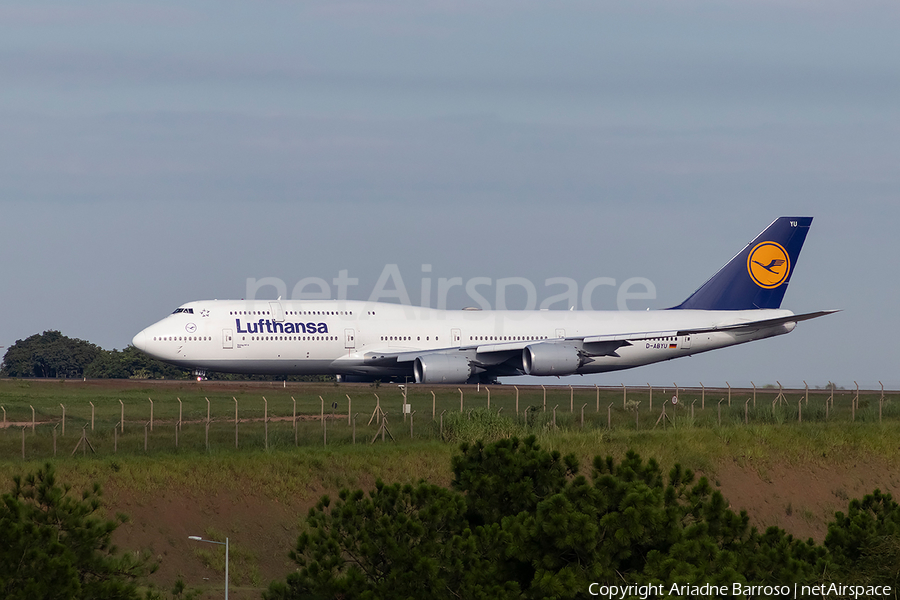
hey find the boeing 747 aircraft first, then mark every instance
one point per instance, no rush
(362, 341)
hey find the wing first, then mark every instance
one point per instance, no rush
(504, 359)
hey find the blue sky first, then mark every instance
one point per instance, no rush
(155, 154)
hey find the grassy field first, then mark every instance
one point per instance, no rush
(769, 465)
(155, 418)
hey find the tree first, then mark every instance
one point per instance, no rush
(864, 544)
(54, 545)
(395, 542)
(521, 522)
(508, 476)
(131, 363)
(50, 354)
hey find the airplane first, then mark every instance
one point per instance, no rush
(369, 341)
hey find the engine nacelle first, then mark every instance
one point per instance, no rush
(442, 368)
(550, 359)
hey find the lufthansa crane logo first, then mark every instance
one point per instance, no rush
(768, 264)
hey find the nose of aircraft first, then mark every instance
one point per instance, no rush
(140, 340)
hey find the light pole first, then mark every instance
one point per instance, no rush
(197, 538)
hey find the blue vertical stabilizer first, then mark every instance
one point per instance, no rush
(759, 275)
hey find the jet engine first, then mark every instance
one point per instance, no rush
(551, 359)
(442, 368)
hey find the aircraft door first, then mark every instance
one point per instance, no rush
(227, 339)
(686, 342)
(455, 337)
(350, 339)
(561, 333)
(277, 312)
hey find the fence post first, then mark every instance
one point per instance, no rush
(597, 389)
(806, 385)
(582, 415)
(295, 421)
(651, 397)
(754, 394)
(324, 432)
(554, 415)
(517, 401)
(442, 424)
(609, 416)
(489, 397)
(207, 411)
(800, 410)
(624, 395)
(181, 412)
(151, 413)
(746, 416)
(433, 405)
(84, 441)
(405, 392)
(92, 416)
(4, 416)
(235, 422)
(545, 397)
(63, 420)
(729, 393)
(349, 403)
(780, 397)
(880, 401)
(122, 418)
(207, 435)
(719, 406)
(266, 421)
(853, 403)
(702, 398)
(460, 400)
(176, 435)
(32, 420)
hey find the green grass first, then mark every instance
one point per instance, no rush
(217, 400)
(269, 456)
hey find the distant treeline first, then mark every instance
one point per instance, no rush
(53, 355)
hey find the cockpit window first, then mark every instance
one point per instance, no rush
(190, 311)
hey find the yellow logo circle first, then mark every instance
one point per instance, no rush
(768, 264)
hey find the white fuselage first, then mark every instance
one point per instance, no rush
(346, 337)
